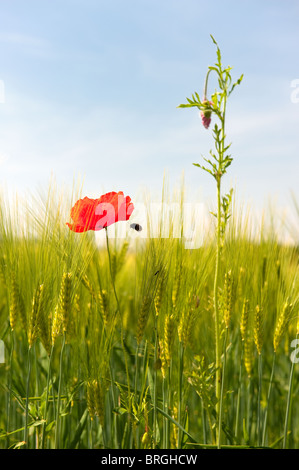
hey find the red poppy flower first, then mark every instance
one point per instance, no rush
(96, 214)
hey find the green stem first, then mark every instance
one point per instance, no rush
(136, 369)
(115, 422)
(136, 391)
(8, 410)
(203, 419)
(155, 387)
(249, 412)
(180, 392)
(47, 398)
(239, 397)
(217, 270)
(268, 399)
(121, 324)
(222, 389)
(216, 309)
(57, 430)
(259, 400)
(168, 405)
(164, 407)
(27, 399)
(289, 401)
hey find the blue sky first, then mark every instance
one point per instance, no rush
(91, 90)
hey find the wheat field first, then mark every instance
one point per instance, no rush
(111, 345)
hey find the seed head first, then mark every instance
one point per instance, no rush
(65, 299)
(258, 329)
(35, 318)
(228, 294)
(281, 324)
(244, 319)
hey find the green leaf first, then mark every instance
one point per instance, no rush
(186, 106)
(236, 83)
(176, 423)
(151, 382)
(80, 428)
(211, 67)
(18, 445)
(120, 410)
(214, 40)
(152, 392)
(214, 99)
(38, 422)
(50, 426)
(204, 168)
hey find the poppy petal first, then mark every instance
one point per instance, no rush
(96, 214)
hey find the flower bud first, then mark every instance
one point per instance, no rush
(206, 114)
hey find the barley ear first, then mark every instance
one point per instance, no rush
(3, 270)
(186, 324)
(16, 304)
(169, 331)
(248, 354)
(34, 321)
(159, 295)
(65, 299)
(247, 337)
(227, 298)
(177, 283)
(56, 325)
(244, 319)
(258, 329)
(164, 364)
(90, 400)
(86, 283)
(143, 317)
(98, 398)
(281, 324)
(44, 329)
(104, 306)
(13, 302)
